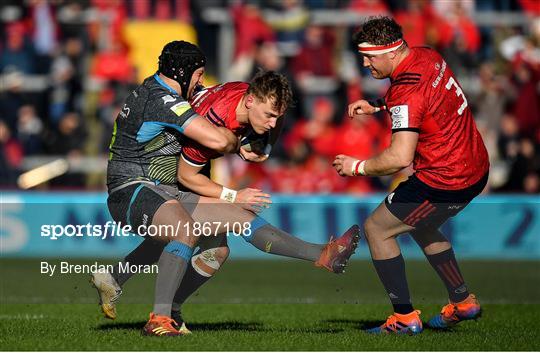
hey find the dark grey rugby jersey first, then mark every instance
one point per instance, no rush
(147, 134)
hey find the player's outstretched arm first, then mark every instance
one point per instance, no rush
(218, 139)
(250, 199)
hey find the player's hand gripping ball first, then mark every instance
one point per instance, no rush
(253, 142)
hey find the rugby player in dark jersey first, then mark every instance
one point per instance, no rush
(144, 152)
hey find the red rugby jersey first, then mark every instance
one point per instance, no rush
(218, 105)
(425, 97)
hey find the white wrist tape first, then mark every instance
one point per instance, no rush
(228, 195)
(361, 168)
(358, 168)
(354, 165)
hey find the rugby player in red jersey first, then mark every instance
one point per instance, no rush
(244, 109)
(432, 128)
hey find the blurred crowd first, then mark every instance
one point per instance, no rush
(64, 72)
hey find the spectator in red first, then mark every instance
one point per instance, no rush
(459, 38)
(309, 176)
(372, 7)
(313, 67)
(249, 175)
(249, 27)
(116, 10)
(361, 138)
(316, 55)
(419, 23)
(160, 9)
(318, 132)
(464, 29)
(526, 70)
(314, 176)
(530, 7)
(113, 64)
(11, 155)
(284, 178)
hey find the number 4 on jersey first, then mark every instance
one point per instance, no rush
(459, 92)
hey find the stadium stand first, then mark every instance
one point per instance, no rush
(65, 66)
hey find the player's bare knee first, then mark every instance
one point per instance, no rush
(221, 254)
(370, 229)
(436, 247)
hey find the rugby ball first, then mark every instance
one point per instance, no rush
(253, 142)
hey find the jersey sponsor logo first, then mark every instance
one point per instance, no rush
(400, 116)
(180, 108)
(168, 99)
(440, 75)
(124, 113)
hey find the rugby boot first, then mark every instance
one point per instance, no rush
(453, 313)
(336, 253)
(160, 326)
(109, 292)
(400, 324)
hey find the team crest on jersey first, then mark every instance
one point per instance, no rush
(168, 99)
(180, 108)
(400, 116)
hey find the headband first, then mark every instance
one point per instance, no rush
(367, 48)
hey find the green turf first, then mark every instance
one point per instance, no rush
(269, 305)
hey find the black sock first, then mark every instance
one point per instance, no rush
(447, 267)
(392, 275)
(147, 253)
(190, 283)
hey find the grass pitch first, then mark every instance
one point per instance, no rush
(269, 305)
